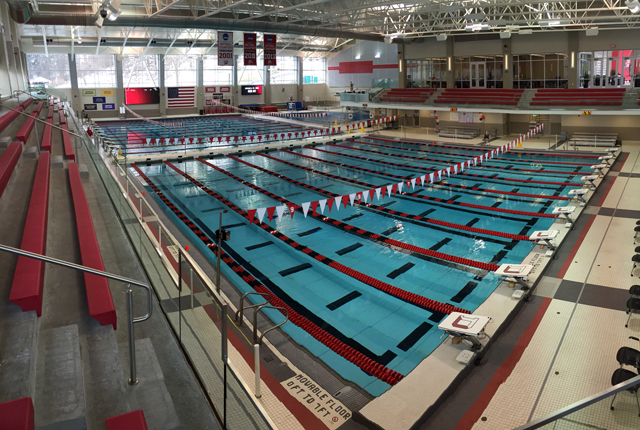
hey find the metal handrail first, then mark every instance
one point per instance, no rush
(132, 355)
(257, 340)
(240, 312)
(581, 404)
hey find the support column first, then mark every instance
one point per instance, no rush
(267, 85)
(507, 72)
(119, 91)
(162, 87)
(451, 80)
(300, 92)
(574, 66)
(402, 67)
(76, 99)
(200, 83)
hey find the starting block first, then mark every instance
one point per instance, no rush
(612, 150)
(579, 194)
(591, 180)
(544, 237)
(606, 159)
(599, 168)
(565, 211)
(517, 273)
(466, 326)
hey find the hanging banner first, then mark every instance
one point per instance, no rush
(250, 49)
(225, 48)
(269, 49)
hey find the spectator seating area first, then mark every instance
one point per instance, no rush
(459, 132)
(482, 96)
(407, 95)
(593, 139)
(578, 97)
(8, 162)
(66, 137)
(27, 127)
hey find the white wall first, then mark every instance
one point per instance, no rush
(366, 51)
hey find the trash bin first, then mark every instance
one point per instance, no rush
(201, 111)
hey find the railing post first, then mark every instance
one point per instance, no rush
(256, 355)
(133, 380)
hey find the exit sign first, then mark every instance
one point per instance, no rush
(454, 109)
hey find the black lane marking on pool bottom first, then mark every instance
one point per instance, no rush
(308, 232)
(344, 300)
(349, 249)
(499, 256)
(349, 218)
(258, 245)
(387, 204)
(291, 195)
(472, 222)
(496, 204)
(391, 230)
(440, 244)
(414, 336)
(383, 359)
(197, 195)
(425, 213)
(211, 210)
(464, 292)
(400, 271)
(240, 224)
(295, 269)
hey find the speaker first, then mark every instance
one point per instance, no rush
(441, 37)
(505, 34)
(592, 31)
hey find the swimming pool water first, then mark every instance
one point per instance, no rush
(393, 332)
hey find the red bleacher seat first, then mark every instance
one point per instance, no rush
(578, 97)
(25, 104)
(407, 95)
(8, 162)
(99, 298)
(28, 279)
(50, 113)
(133, 420)
(8, 117)
(17, 415)
(25, 131)
(68, 146)
(46, 137)
(38, 109)
(483, 96)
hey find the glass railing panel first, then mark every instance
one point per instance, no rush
(197, 326)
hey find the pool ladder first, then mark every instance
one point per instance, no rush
(258, 306)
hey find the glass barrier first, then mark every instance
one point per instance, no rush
(195, 310)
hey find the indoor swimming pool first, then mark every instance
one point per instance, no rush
(361, 273)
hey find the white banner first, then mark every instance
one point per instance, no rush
(225, 48)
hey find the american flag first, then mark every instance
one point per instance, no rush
(180, 97)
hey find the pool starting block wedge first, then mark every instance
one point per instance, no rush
(518, 273)
(565, 211)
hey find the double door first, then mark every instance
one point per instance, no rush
(478, 74)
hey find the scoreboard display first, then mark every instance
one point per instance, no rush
(141, 96)
(251, 90)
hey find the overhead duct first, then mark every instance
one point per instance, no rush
(19, 10)
(248, 26)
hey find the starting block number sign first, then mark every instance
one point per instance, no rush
(586, 112)
(323, 405)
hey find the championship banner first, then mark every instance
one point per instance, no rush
(250, 49)
(269, 49)
(225, 48)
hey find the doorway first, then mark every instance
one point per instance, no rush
(478, 74)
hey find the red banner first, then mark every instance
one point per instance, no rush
(269, 49)
(250, 49)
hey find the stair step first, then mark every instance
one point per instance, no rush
(150, 394)
(105, 384)
(59, 399)
(18, 349)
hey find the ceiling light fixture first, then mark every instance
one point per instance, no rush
(633, 5)
(477, 26)
(79, 40)
(357, 56)
(378, 55)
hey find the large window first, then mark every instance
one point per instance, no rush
(314, 71)
(250, 75)
(52, 70)
(609, 68)
(96, 71)
(180, 71)
(140, 71)
(540, 70)
(286, 71)
(427, 73)
(214, 75)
